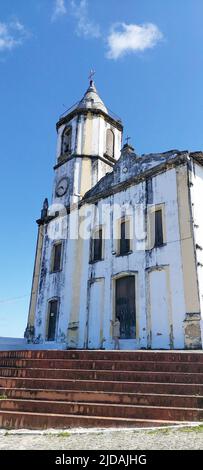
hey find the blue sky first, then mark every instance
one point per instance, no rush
(149, 70)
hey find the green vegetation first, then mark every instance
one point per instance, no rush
(197, 428)
(64, 434)
(160, 431)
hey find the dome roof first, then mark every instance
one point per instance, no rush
(91, 99)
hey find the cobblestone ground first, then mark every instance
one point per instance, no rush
(182, 438)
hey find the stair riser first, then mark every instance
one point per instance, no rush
(102, 410)
(61, 389)
(104, 375)
(103, 365)
(113, 398)
(106, 355)
(127, 387)
(29, 421)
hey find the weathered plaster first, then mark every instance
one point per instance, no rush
(72, 285)
(195, 324)
(192, 305)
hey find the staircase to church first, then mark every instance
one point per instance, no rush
(62, 389)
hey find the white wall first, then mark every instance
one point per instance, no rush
(71, 284)
(95, 316)
(159, 308)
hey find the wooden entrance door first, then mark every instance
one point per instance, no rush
(53, 311)
(125, 306)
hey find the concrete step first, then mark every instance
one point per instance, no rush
(158, 356)
(19, 420)
(105, 410)
(100, 385)
(40, 389)
(192, 367)
(183, 401)
(141, 376)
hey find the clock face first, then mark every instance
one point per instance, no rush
(62, 186)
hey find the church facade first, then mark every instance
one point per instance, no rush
(122, 237)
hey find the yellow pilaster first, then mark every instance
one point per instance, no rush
(35, 280)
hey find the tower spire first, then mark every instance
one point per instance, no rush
(91, 98)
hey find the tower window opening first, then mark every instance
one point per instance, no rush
(56, 257)
(96, 248)
(66, 141)
(110, 139)
(159, 239)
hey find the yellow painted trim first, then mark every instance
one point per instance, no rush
(36, 274)
(191, 295)
(87, 135)
(86, 175)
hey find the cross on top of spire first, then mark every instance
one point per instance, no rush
(91, 75)
(127, 147)
(127, 139)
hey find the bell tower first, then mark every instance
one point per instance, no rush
(88, 144)
(89, 140)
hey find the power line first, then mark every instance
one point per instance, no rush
(13, 299)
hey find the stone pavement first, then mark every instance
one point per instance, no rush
(187, 438)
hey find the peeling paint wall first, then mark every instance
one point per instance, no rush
(195, 322)
(95, 313)
(163, 191)
(79, 305)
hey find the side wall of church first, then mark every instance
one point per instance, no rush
(195, 322)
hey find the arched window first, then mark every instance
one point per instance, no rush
(110, 143)
(66, 140)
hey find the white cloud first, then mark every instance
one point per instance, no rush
(12, 34)
(122, 38)
(59, 9)
(125, 38)
(85, 27)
